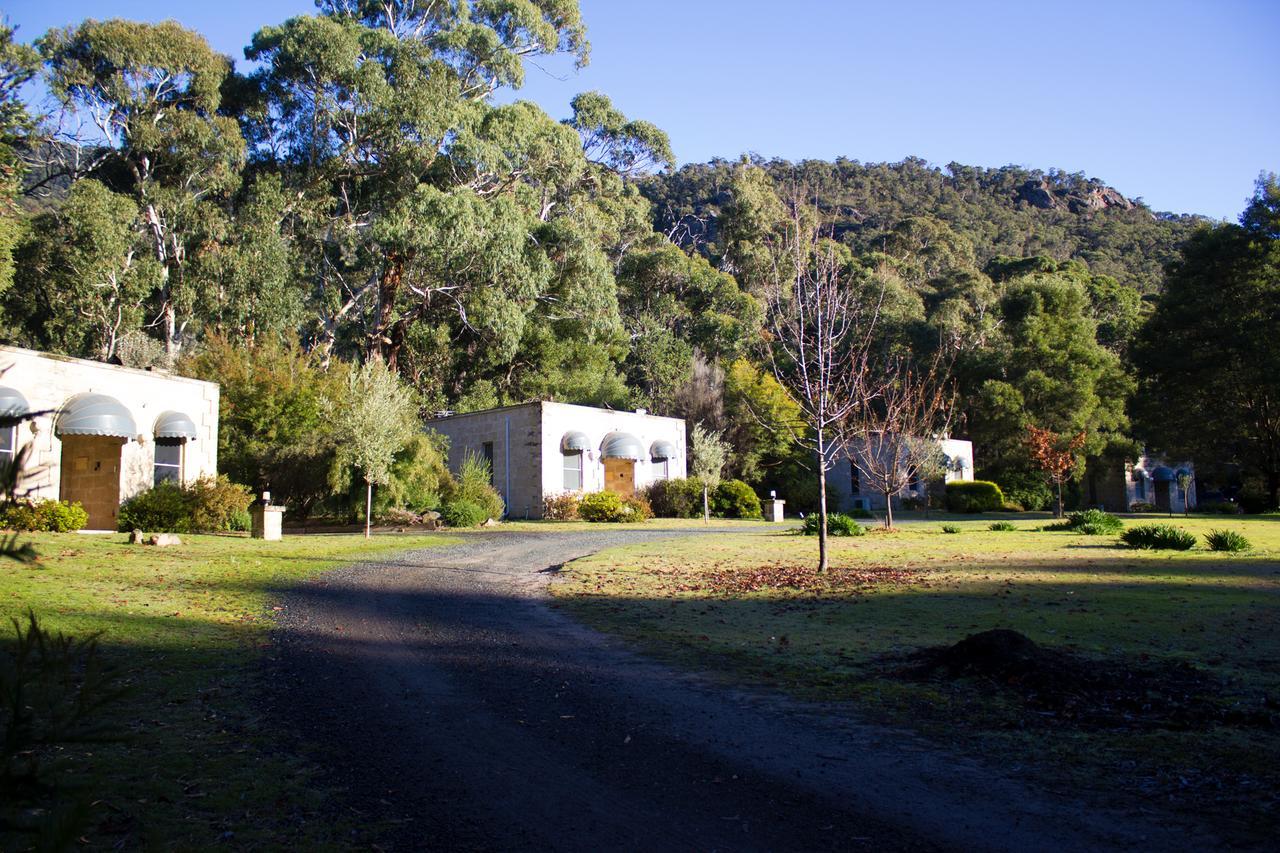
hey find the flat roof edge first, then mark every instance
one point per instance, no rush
(88, 362)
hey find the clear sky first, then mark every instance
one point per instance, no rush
(1177, 102)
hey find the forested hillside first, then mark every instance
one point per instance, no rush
(1007, 211)
(360, 195)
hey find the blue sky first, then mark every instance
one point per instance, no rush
(1177, 102)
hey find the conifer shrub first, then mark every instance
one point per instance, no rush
(1158, 537)
(974, 496)
(473, 485)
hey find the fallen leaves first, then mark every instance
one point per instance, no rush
(736, 580)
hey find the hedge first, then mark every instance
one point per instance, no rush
(974, 496)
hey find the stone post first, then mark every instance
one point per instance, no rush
(268, 520)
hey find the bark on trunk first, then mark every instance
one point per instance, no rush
(822, 505)
(888, 510)
(706, 505)
(1057, 510)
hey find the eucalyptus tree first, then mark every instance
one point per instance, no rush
(149, 95)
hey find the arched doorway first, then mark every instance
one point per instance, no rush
(93, 428)
(620, 453)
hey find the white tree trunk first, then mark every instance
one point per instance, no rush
(368, 509)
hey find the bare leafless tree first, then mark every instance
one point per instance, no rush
(819, 333)
(893, 438)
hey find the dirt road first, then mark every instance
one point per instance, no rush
(453, 703)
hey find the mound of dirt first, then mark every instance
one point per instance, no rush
(1091, 692)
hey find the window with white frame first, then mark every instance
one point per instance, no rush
(8, 442)
(572, 470)
(168, 468)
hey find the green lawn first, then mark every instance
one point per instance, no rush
(186, 628)
(744, 606)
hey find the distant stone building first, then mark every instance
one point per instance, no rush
(540, 449)
(102, 433)
(847, 487)
(1149, 480)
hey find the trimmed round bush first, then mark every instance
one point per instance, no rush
(676, 498)
(974, 496)
(601, 506)
(46, 516)
(838, 524)
(163, 509)
(735, 499)
(1226, 540)
(463, 513)
(1158, 537)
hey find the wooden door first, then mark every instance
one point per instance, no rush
(91, 475)
(620, 477)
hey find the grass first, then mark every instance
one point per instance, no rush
(186, 627)
(742, 606)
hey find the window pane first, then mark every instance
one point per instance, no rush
(8, 440)
(573, 471)
(168, 463)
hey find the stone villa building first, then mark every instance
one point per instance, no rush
(540, 449)
(102, 433)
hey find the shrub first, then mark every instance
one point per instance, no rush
(47, 516)
(735, 499)
(974, 496)
(1158, 537)
(601, 506)
(838, 524)
(463, 513)
(419, 477)
(216, 502)
(1027, 489)
(1226, 540)
(636, 508)
(562, 506)
(1003, 526)
(677, 498)
(1142, 506)
(165, 509)
(950, 528)
(242, 521)
(1219, 508)
(395, 517)
(1091, 522)
(473, 485)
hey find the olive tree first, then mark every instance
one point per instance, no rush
(374, 421)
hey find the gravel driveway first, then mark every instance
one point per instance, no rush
(451, 702)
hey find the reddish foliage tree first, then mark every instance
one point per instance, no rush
(1055, 455)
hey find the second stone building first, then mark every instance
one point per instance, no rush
(540, 449)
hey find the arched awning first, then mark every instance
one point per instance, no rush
(574, 441)
(95, 414)
(12, 406)
(175, 425)
(620, 445)
(1163, 474)
(661, 450)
